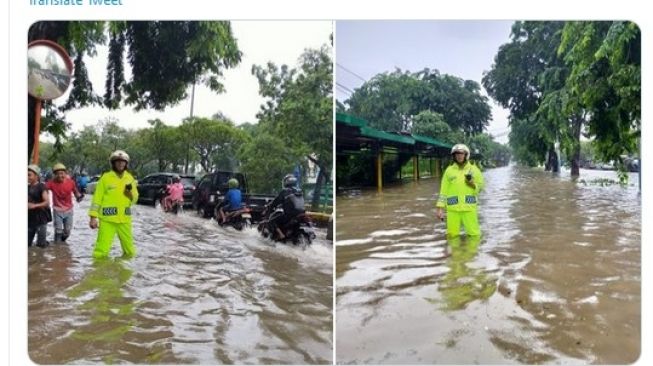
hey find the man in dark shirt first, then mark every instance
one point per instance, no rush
(291, 199)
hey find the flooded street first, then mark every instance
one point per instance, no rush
(195, 294)
(555, 278)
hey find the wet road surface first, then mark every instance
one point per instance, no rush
(555, 277)
(195, 294)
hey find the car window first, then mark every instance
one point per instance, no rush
(222, 179)
(205, 182)
(160, 179)
(146, 180)
(94, 179)
(188, 182)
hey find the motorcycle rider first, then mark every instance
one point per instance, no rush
(291, 199)
(175, 193)
(233, 200)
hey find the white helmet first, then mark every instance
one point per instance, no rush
(460, 148)
(119, 155)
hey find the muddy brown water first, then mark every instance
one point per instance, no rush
(195, 294)
(554, 279)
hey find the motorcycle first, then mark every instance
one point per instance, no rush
(238, 219)
(298, 231)
(176, 206)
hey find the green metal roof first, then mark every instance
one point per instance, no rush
(350, 120)
(367, 131)
(431, 141)
(382, 135)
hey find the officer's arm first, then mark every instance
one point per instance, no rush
(444, 188)
(134, 191)
(96, 203)
(478, 179)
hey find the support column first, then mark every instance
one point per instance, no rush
(379, 171)
(437, 168)
(415, 167)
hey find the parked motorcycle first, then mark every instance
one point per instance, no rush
(298, 231)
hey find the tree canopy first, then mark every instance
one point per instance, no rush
(164, 57)
(563, 80)
(390, 101)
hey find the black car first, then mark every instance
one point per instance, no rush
(212, 188)
(151, 189)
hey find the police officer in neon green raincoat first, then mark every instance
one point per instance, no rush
(115, 193)
(461, 183)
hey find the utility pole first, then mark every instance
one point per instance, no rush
(192, 104)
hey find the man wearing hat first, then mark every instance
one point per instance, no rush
(114, 195)
(62, 188)
(38, 204)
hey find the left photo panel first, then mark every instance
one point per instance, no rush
(180, 195)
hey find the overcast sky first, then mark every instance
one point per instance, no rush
(281, 42)
(461, 48)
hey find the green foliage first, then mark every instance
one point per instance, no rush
(605, 63)
(165, 57)
(432, 124)
(211, 140)
(266, 159)
(390, 101)
(563, 79)
(299, 108)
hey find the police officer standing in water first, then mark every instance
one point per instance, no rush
(114, 195)
(461, 183)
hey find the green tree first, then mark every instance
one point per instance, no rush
(299, 108)
(162, 144)
(604, 84)
(525, 72)
(432, 124)
(390, 101)
(210, 137)
(266, 159)
(165, 57)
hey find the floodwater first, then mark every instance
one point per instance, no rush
(195, 294)
(555, 278)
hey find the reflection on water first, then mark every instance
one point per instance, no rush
(463, 284)
(195, 294)
(555, 278)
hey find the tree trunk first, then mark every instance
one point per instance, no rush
(551, 163)
(577, 123)
(317, 192)
(31, 104)
(186, 160)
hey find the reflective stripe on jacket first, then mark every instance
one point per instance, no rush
(109, 202)
(455, 194)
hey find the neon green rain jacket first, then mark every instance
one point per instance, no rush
(109, 202)
(455, 194)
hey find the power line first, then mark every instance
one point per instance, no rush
(344, 88)
(351, 72)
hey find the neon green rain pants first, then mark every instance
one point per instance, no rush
(469, 219)
(106, 233)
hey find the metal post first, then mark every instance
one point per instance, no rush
(37, 131)
(379, 171)
(415, 167)
(437, 168)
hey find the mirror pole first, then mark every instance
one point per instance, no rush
(37, 131)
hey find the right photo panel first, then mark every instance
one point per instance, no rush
(488, 205)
